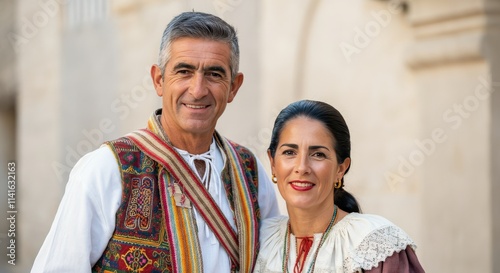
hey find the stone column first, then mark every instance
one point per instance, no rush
(37, 42)
(456, 74)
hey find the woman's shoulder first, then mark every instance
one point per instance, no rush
(373, 238)
(366, 221)
(272, 225)
(369, 228)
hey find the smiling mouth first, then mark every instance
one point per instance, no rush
(301, 186)
(192, 106)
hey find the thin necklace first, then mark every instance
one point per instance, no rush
(286, 249)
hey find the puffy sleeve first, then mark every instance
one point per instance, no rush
(405, 261)
(85, 219)
(267, 196)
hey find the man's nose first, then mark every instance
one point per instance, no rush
(198, 87)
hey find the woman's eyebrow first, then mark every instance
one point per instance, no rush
(313, 147)
(294, 146)
(316, 147)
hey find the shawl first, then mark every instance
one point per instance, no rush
(153, 233)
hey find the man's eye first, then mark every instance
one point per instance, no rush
(183, 72)
(214, 75)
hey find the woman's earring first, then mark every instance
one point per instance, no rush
(275, 179)
(339, 184)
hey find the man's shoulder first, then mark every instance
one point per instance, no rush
(121, 143)
(98, 163)
(95, 158)
(103, 159)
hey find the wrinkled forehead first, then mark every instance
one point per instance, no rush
(200, 49)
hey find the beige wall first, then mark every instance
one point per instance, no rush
(453, 60)
(397, 76)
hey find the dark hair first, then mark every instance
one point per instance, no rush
(199, 25)
(335, 123)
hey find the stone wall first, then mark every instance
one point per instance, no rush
(416, 84)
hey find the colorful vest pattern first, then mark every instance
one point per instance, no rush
(140, 241)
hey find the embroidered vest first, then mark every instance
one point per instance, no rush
(140, 241)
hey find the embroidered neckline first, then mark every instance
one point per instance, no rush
(302, 252)
(286, 250)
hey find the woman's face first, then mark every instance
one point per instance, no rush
(305, 164)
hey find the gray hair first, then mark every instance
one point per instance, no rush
(199, 25)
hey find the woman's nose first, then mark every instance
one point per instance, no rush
(302, 165)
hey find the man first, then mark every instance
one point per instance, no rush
(176, 197)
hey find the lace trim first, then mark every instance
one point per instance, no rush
(377, 247)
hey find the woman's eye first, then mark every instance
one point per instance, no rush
(319, 155)
(288, 152)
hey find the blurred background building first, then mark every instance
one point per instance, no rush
(417, 82)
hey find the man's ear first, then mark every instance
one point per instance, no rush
(235, 86)
(157, 79)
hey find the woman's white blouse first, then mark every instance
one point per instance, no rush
(358, 241)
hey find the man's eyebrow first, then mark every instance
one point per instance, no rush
(184, 65)
(216, 68)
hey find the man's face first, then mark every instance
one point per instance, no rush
(196, 86)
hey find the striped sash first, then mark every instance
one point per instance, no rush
(241, 249)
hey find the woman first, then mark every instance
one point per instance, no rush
(325, 231)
